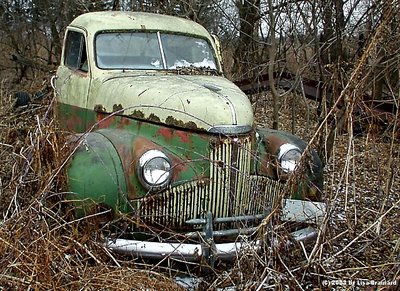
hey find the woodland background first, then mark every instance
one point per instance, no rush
(349, 49)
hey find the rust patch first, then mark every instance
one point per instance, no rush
(99, 108)
(118, 108)
(154, 118)
(179, 123)
(178, 165)
(124, 122)
(169, 134)
(138, 114)
(215, 142)
(140, 146)
(104, 120)
(127, 158)
(269, 163)
(72, 121)
(130, 154)
(191, 125)
(184, 136)
(166, 133)
(273, 143)
(173, 121)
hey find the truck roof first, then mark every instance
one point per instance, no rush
(118, 20)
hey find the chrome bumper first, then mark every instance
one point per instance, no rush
(183, 251)
(292, 210)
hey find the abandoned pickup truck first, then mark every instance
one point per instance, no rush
(165, 139)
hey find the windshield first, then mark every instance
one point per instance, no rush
(155, 51)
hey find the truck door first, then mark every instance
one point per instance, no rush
(73, 82)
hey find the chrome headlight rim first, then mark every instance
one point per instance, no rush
(163, 179)
(289, 165)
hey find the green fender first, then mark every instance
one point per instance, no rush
(95, 176)
(103, 169)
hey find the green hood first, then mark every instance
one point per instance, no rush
(189, 101)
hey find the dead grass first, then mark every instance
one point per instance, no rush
(362, 235)
(42, 249)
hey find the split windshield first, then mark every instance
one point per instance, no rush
(154, 51)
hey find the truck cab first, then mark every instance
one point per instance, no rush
(164, 138)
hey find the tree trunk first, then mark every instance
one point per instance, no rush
(271, 63)
(246, 50)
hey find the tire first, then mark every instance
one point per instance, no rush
(22, 99)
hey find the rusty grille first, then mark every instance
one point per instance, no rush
(230, 190)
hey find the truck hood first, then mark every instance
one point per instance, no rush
(210, 103)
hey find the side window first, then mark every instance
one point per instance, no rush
(75, 51)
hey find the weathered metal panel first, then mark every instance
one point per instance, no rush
(184, 101)
(310, 186)
(96, 176)
(303, 211)
(229, 191)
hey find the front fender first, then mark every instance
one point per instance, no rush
(103, 169)
(268, 143)
(131, 146)
(96, 176)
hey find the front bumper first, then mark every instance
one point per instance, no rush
(301, 211)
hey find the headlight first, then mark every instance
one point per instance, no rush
(154, 170)
(289, 155)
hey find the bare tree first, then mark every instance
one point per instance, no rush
(272, 47)
(248, 43)
(32, 33)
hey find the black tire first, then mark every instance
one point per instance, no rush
(22, 99)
